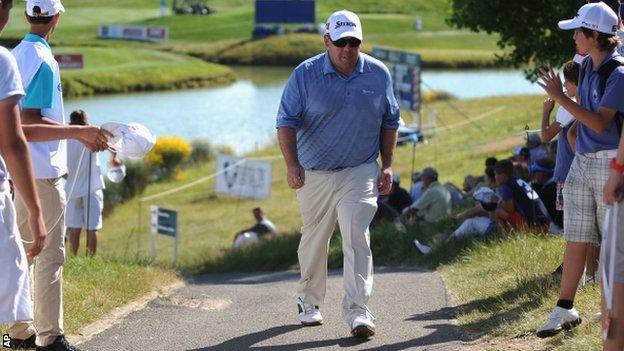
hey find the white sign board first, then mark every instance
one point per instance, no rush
(131, 32)
(243, 178)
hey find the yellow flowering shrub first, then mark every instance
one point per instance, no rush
(168, 153)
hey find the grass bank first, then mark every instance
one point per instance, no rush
(123, 70)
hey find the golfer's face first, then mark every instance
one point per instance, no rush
(344, 52)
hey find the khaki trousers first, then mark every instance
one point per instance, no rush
(48, 265)
(348, 196)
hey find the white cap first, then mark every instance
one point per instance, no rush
(484, 194)
(341, 24)
(132, 140)
(47, 8)
(597, 16)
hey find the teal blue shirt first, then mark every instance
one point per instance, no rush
(40, 92)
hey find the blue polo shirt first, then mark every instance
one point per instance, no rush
(338, 119)
(588, 140)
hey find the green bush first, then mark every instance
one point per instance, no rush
(202, 151)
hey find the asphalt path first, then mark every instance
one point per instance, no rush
(259, 312)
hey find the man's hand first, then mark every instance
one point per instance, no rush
(614, 188)
(384, 182)
(551, 83)
(295, 176)
(39, 232)
(94, 138)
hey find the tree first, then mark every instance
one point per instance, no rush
(527, 27)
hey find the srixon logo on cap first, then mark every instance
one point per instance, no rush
(342, 24)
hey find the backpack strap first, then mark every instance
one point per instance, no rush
(604, 72)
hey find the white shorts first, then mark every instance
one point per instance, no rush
(15, 303)
(76, 211)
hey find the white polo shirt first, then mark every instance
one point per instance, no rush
(42, 82)
(10, 85)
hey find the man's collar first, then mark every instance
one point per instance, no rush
(34, 38)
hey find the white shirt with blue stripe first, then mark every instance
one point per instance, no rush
(338, 119)
(42, 82)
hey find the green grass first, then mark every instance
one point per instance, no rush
(94, 287)
(503, 289)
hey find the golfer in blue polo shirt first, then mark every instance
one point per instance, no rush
(595, 27)
(337, 112)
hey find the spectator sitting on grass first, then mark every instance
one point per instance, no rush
(537, 150)
(477, 219)
(389, 207)
(519, 204)
(251, 235)
(433, 205)
(546, 188)
(417, 186)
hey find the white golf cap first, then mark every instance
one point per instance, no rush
(47, 8)
(341, 24)
(132, 140)
(597, 16)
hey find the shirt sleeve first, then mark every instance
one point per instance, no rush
(10, 80)
(40, 91)
(291, 106)
(392, 115)
(612, 97)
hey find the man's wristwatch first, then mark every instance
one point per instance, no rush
(616, 166)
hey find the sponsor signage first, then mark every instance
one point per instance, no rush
(164, 222)
(405, 69)
(70, 61)
(243, 178)
(285, 11)
(132, 32)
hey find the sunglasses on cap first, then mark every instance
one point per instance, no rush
(342, 42)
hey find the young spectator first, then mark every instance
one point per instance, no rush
(519, 204)
(435, 202)
(389, 207)
(561, 126)
(398, 198)
(537, 150)
(546, 187)
(15, 304)
(84, 185)
(42, 120)
(490, 162)
(597, 140)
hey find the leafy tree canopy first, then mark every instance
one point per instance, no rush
(527, 28)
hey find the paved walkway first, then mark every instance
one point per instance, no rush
(258, 312)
